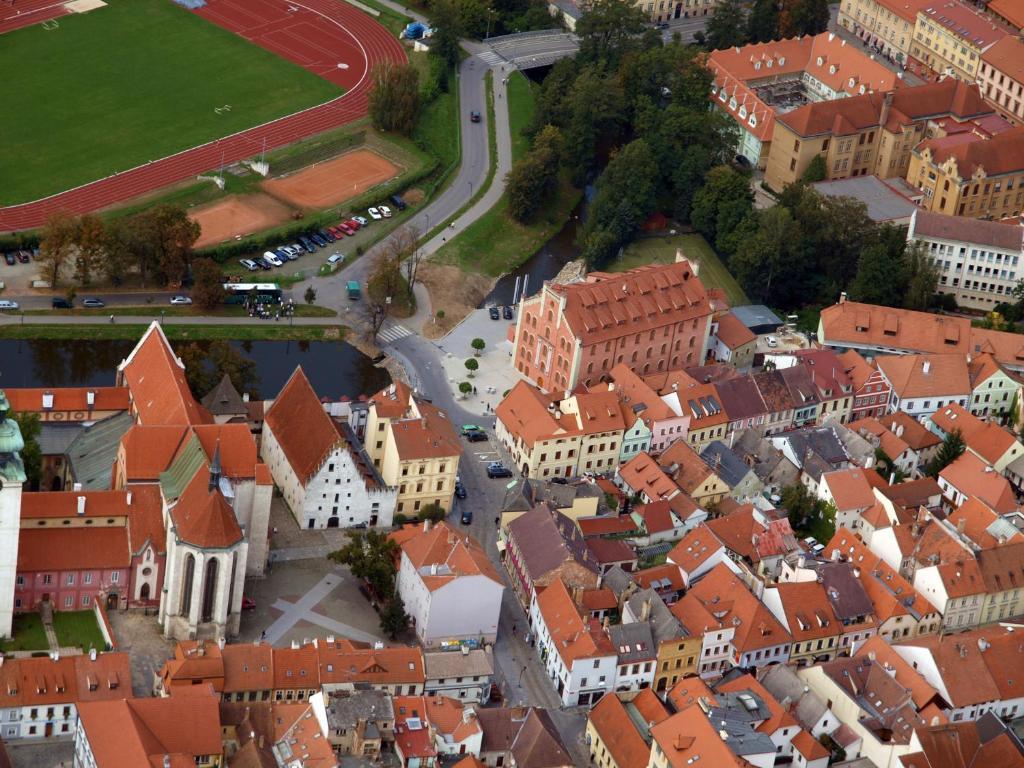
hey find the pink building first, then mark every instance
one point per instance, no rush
(650, 319)
(870, 389)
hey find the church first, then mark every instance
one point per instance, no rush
(182, 521)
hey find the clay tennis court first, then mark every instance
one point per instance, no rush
(334, 181)
(237, 216)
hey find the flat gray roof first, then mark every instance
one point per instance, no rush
(884, 203)
(756, 315)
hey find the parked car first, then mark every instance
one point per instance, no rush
(272, 258)
(58, 303)
(467, 517)
(327, 235)
(263, 263)
(316, 238)
(307, 244)
(338, 234)
(249, 264)
(507, 312)
(298, 248)
(180, 299)
(460, 490)
(384, 211)
(93, 302)
(771, 341)
(283, 255)
(496, 469)
(24, 256)
(476, 437)
(353, 224)
(292, 253)
(474, 116)
(494, 313)
(336, 258)
(248, 604)
(467, 428)
(361, 219)
(374, 214)
(8, 304)
(10, 258)
(399, 202)
(346, 229)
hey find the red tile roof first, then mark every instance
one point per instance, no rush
(305, 432)
(146, 518)
(733, 333)
(969, 475)
(203, 517)
(72, 549)
(730, 603)
(1000, 154)
(69, 679)
(618, 732)
(148, 450)
(964, 22)
(689, 734)
(64, 504)
(569, 632)
(985, 438)
(431, 436)
(455, 555)
(643, 475)
(156, 378)
(30, 400)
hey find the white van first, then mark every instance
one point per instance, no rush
(273, 258)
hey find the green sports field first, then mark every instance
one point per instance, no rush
(132, 82)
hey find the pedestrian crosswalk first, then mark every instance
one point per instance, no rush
(490, 58)
(391, 332)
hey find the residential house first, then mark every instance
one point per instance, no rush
(652, 318)
(971, 476)
(850, 491)
(977, 261)
(688, 736)
(666, 579)
(519, 736)
(772, 467)
(360, 722)
(465, 674)
(256, 734)
(755, 538)
(730, 468)
(894, 448)
(741, 400)
(772, 719)
(663, 521)
(810, 710)
(950, 38)
(693, 475)
(326, 478)
(987, 740)
(677, 648)
(1001, 75)
(662, 422)
(887, 25)
(637, 655)
(619, 729)
(870, 389)
(434, 724)
(415, 448)
(698, 552)
(779, 406)
(922, 384)
(448, 586)
(699, 400)
(225, 404)
(731, 341)
(992, 387)
(815, 451)
(997, 447)
(751, 83)
(577, 655)
(803, 608)
(827, 373)
(127, 731)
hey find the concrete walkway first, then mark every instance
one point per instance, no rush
(332, 626)
(302, 610)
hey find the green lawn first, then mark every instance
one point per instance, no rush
(128, 83)
(662, 250)
(227, 310)
(520, 112)
(78, 629)
(28, 634)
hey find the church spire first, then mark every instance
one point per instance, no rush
(215, 470)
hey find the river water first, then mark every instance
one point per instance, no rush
(333, 368)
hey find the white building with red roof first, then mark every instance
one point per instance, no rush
(448, 585)
(323, 472)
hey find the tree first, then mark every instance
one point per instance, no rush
(208, 285)
(950, 450)
(206, 363)
(533, 180)
(433, 512)
(403, 247)
(608, 30)
(91, 242)
(162, 238)
(770, 264)
(393, 619)
(478, 345)
(803, 17)
(472, 365)
(310, 295)
(727, 28)
(382, 286)
(395, 98)
(799, 504)
(370, 555)
(878, 280)
(816, 170)
(465, 388)
(721, 205)
(31, 454)
(56, 244)
(763, 21)
(444, 19)
(922, 276)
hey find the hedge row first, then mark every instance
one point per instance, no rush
(17, 240)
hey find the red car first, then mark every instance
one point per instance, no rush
(346, 229)
(248, 604)
(338, 234)
(353, 225)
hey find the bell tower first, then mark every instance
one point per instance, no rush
(12, 476)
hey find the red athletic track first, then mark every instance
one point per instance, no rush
(317, 35)
(24, 13)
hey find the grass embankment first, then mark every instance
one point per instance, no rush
(27, 634)
(496, 243)
(268, 330)
(235, 310)
(662, 250)
(123, 86)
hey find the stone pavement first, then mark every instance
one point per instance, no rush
(141, 637)
(54, 753)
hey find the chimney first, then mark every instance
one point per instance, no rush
(167, 761)
(81, 505)
(76, 487)
(426, 526)
(926, 366)
(90, 399)
(960, 525)
(842, 297)
(220, 642)
(128, 498)
(899, 430)
(245, 397)
(645, 612)
(92, 654)
(886, 107)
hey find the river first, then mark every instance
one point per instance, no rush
(333, 368)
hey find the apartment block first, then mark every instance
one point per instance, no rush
(1001, 78)
(949, 39)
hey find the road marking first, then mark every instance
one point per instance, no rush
(490, 58)
(392, 333)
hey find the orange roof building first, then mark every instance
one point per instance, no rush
(688, 736)
(309, 453)
(970, 476)
(653, 318)
(994, 445)
(619, 726)
(69, 404)
(748, 82)
(448, 585)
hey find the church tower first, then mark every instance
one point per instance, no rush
(12, 476)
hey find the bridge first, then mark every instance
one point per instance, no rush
(526, 50)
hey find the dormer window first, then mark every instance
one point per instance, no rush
(757, 65)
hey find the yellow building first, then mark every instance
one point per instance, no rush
(888, 24)
(415, 448)
(693, 475)
(678, 650)
(950, 38)
(1001, 78)
(967, 175)
(872, 134)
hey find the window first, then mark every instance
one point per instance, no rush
(115, 577)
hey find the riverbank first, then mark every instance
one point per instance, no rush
(269, 331)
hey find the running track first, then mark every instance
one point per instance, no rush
(316, 34)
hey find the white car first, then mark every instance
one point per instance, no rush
(8, 304)
(336, 258)
(384, 211)
(771, 341)
(249, 264)
(179, 299)
(272, 258)
(361, 219)
(374, 214)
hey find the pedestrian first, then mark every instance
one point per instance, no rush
(111, 318)
(263, 635)
(513, 628)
